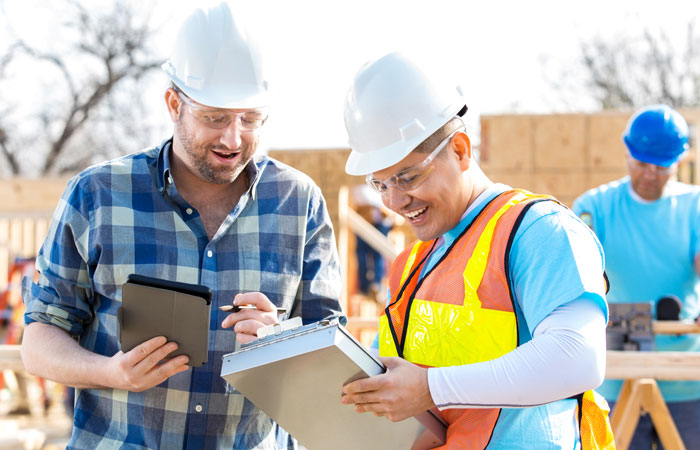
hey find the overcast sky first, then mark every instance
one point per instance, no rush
(503, 53)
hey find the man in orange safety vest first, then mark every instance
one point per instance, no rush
(496, 316)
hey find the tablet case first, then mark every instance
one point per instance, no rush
(296, 378)
(179, 311)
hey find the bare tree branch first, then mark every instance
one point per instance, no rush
(9, 156)
(52, 59)
(7, 57)
(631, 71)
(108, 48)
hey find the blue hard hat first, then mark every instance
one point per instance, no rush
(657, 135)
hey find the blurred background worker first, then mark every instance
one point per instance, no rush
(371, 266)
(201, 207)
(474, 324)
(649, 226)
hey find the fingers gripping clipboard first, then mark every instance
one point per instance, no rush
(153, 307)
(296, 377)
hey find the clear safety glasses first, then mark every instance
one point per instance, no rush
(411, 177)
(218, 118)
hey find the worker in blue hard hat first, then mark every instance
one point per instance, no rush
(656, 138)
(649, 225)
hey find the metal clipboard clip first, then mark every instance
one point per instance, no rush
(279, 328)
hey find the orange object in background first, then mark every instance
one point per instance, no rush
(11, 306)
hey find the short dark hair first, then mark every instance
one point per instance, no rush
(434, 139)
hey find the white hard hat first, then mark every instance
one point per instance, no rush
(393, 105)
(216, 62)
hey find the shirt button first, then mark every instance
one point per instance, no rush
(188, 210)
(198, 408)
(210, 253)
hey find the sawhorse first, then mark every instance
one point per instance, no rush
(637, 396)
(640, 393)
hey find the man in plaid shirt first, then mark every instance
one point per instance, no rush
(202, 208)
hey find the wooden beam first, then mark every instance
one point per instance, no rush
(625, 415)
(370, 234)
(623, 400)
(362, 322)
(658, 365)
(654, 403)
(23, 196)
(674, 327)
(10, 358)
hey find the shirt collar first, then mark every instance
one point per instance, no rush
(472, 210)
(637, 198)
(253, 170)
(163, 180)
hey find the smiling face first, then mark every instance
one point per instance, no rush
(212, 155)
(437, 204)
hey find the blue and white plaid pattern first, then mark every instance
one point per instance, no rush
(125, 216)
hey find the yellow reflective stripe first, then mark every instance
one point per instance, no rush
(443, 334)
(409, 263)
(386, 341)
(476, 266)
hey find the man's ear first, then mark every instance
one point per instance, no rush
(462, 147)
(172, 102)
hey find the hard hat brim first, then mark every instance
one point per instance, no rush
(363, 163)
(656, 160)
(243, 97)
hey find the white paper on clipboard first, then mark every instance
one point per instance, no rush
(296, 378)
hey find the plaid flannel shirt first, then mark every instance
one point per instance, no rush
(126, 216)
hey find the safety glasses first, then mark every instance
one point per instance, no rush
(218, 118)
(411, 177)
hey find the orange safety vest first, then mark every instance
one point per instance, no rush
(467, 315)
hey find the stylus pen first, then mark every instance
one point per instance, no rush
(236, 308)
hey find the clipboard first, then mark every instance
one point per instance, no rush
(179, 311)
(296, 377)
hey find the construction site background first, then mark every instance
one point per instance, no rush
(559, 154)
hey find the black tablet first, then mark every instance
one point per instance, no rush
(155, 307)
(198, 290)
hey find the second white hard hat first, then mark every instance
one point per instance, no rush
(393, 105)
(217, 63)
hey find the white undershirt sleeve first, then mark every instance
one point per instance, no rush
(566, 356)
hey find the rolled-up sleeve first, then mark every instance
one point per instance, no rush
(61, 295)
